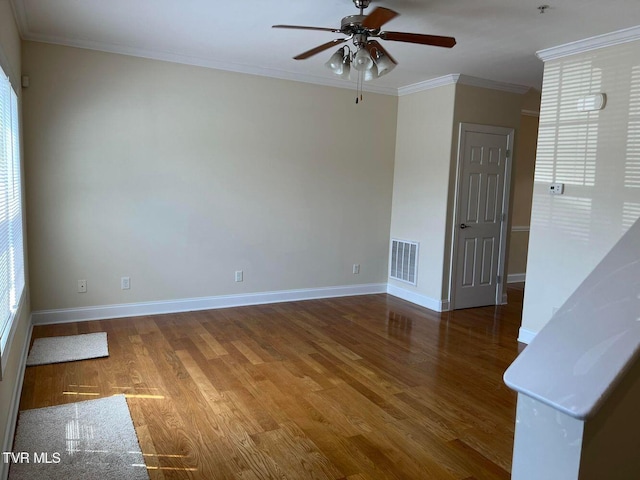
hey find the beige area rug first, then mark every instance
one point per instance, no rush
(68, 349)
(94, 439)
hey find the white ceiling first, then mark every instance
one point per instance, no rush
(497, 39)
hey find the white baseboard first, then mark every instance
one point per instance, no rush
(44, 317)
(100, 312)
(525, 336)
(516, 277)
(7, 442)
(418, 299)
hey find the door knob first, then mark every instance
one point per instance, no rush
(463, 226)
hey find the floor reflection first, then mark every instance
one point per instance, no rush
(76, 433)
(399, 326)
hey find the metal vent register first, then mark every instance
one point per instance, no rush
(404, 261)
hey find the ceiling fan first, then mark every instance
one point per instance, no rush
(369, 59)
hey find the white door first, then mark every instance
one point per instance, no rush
(482, 200)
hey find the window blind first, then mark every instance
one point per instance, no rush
(11, 241)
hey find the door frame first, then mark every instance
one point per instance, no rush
(501, 297)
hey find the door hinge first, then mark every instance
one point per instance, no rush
(503, 217)
(498, 279)
(508, 153)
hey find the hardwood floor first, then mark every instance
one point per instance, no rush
(367, 387)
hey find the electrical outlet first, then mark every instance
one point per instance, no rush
(356, 268)
(239, 276)
(125, 283)
(82, 286)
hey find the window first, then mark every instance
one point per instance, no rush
(11, 245)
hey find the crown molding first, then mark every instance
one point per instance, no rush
(492, 84)
(588, 44)
(468, 80)
(23, 27)
(20, 14)
(428, 84)
(208, 63)
(451, 79)
(444, 80)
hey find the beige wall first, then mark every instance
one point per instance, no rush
(523, 168)
(421, 182)
(611, 437)
(596, 156)
(518, 249)
(177, 176)
(425, 172)
(13, 367)
(531, 102)
(485, 107)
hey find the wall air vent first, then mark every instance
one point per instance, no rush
(404, 261)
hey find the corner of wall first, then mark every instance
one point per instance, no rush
(421, 179)
(418, 299)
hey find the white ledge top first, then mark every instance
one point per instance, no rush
(580, 356)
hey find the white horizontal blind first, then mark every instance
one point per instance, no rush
(11, 244)
(15, 209)
(5, 154)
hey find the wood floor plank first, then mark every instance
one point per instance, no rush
(360, 388)
(293, 450)
(398, 468)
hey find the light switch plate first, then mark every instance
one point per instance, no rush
(556, 188)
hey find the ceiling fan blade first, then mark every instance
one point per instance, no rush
(300, 27)
(434, 40)
(373, 44)
(378, 17)
(319, 48)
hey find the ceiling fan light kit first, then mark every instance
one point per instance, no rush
(384, 64)
(340, 62)
(362, 60)
(369, 58)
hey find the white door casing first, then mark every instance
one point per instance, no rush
(481, 209)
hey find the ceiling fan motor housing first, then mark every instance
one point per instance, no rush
(362, 3)
(352, 23)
